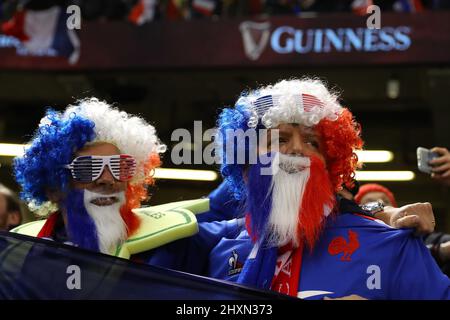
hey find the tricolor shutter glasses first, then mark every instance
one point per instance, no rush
(89, 168)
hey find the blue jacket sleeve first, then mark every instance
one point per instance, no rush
(192, 254)
(222, 205)
(416, 274)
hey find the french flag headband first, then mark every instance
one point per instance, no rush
(302, 108)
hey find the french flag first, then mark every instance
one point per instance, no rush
(142, 12)
(360, 7)
(44, 33)
(408, 6)
(205, 7)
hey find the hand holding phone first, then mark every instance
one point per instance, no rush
(441, 165)
(424, 156)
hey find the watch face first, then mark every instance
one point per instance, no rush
(373, 207)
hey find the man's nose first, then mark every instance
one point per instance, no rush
(296, 146)
(106, 178)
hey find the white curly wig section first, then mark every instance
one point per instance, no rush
(130, 134)
(287, 105)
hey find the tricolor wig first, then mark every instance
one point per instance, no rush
(304, 101)
(60, 135)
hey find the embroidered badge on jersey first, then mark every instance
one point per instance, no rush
(340, 245)
(235, 265)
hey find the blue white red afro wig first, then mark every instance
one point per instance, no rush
(304, 101)
(61, 134)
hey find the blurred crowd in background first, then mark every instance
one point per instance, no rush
(173, 10)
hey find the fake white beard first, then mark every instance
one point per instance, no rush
(288, 186)
(111, 229)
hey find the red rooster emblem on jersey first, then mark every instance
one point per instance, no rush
(341, 245)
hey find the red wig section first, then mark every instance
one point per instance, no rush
(318, 193)
(339, 140)
(136, 193)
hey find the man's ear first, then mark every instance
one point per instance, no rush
(14, 218)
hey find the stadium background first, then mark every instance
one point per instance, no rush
(188, 59)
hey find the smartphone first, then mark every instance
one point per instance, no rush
(423, 158)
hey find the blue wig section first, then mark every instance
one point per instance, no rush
(259, 200)
(81, 228)
(53, 146)
(230, 120)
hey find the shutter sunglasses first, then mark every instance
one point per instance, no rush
(89, 168)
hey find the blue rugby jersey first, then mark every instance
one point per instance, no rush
(382, 263)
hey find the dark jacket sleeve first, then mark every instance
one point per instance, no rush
(191, 254)
(433, 241)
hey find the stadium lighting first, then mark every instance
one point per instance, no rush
(375, 156)
(384, 175)
(12, 150)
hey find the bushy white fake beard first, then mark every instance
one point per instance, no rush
(288, 186)
(111, 228)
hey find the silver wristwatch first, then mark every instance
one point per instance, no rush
(373, 208)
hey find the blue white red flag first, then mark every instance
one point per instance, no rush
(43, 33)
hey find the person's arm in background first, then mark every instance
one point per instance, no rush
(418, 216)
(441, 166)
(439, 245)
(192, 254)
(222, 205)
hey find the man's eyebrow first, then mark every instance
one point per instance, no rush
(282, 131)
(312, 136)
(310, 132)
